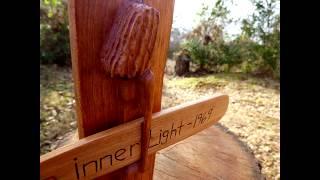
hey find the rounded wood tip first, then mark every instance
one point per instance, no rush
(127, 51)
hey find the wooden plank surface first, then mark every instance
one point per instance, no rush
(112, 149)
(212, 154)
(99, 105)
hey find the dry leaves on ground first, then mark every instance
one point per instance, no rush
(253, 114)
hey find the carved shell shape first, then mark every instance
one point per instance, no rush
(128, 49)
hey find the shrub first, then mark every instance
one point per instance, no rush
(54, 33)
(205, 56)
(200, 54)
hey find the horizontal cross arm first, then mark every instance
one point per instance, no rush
(117, 147)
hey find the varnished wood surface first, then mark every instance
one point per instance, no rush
(212, 154)
(117, 147)
(128, 48)
(99, 104)
(147, 84)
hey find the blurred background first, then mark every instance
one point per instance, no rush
(228, 46)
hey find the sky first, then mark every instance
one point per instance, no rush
(185, 13)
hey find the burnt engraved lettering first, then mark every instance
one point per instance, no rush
(110, 158)
(76, 167)
(165, 135)
(173, 130)
(116, 154)
(131, 147)
(86, 164)
(181, 125)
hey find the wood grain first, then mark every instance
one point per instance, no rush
(114, 148)
(99, 104)
(212, 154)
(147, 84)
(128, 48)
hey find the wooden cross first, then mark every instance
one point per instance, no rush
(120, 146)
(118, 56)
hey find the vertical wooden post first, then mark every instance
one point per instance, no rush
(98, 96)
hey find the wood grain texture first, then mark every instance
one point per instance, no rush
(147, 84)
(99, 104)
(129, 46)
(120, 146)
(212, 154)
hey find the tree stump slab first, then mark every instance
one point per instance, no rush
(211, 154)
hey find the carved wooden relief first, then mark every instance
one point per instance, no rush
(127, 51)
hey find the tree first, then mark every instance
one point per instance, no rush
(212, 22)
(263, 27)
(255, 50)
(54, 33)
(206, 42)
(175, 39)
(182, 63)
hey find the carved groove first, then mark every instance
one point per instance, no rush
(127, 51)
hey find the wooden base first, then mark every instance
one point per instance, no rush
(210, 154)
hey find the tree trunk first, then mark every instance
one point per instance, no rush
(182, 65)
